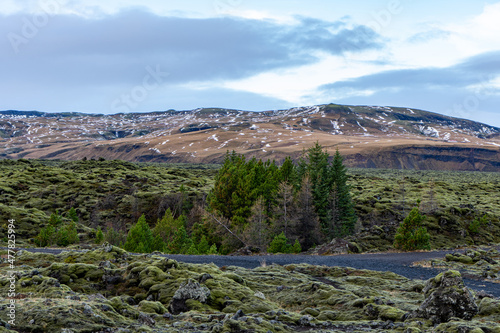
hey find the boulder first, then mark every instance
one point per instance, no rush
(188, 290)
(446, 297)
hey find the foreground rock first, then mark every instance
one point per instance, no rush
(447, 297)
(108, 290)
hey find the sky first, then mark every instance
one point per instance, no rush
(115, 56)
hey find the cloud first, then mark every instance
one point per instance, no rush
(75, 50)
(463, 90)
(426, 36)
(472, 71)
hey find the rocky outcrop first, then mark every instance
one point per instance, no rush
(188, 290)
(447, 297)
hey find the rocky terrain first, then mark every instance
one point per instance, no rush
(110, 290)
(481, 263)
(368, 136)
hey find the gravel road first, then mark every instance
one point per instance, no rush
(399, 263)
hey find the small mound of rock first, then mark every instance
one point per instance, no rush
(446, 297)
(188, 290)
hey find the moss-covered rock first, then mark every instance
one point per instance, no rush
(152, 307)
(446, 297)
(97, 290)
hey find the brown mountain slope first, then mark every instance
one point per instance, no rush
(374, 137)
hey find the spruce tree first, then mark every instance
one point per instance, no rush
(99, 236)
(140, 237)
(411, 235)
(287, 171)
(342, 215)
(317, 170)
(283, 209)
(203, 246)
(73, 215)
(166, 226)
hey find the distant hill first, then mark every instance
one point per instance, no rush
(368, 136)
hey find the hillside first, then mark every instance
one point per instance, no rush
(368, 136)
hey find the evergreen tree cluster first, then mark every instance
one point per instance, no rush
(169, 235)
(60, 231)
(305, 202)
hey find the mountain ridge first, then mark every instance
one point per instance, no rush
(368, 136)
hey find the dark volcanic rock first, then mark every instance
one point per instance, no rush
(446, 297)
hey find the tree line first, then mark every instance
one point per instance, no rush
(254, 203)
(308, 201)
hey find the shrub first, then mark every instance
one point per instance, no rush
(410, 235)
(114, 237)
(296, 248)
(99, 236)
(475, 225)
(46, 236)
(67, 234)
(280, 244)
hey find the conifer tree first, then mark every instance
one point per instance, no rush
(55, 219)
(203, 246)
(99, 236)
(67, 234)
(411, 235)
(180, 243)
(226, 183)
(283, 209)
(317, 170)
(73, 215)
(342, 215)
(158, 244)
(166, 226)
(140, 237)
(287, 171)
(258, 229)
(308, 226)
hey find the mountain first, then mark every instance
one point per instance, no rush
(368, 136)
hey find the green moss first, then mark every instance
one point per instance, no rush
(152, 307)
(488, 307)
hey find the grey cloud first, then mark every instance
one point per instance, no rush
(117, 49)
(443, 90)
(475, 70)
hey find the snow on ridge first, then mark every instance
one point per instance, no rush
(156, 150)
(364, 129)
(429, 131)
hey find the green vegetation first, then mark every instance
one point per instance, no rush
(308, 202)
(44, 197)
(280, 245)
(478, 223)
(140, 238)
(410, 235)
(107, 289)
(62, 233)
